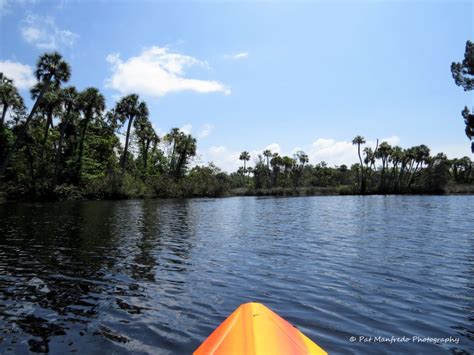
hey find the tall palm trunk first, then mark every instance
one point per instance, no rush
(268, 173)
(4, 113)
(382, 177)
(22, 132)
(182, 159)
(393, 177)
(81, 144)
(49, 122)
(127, 138)
(145, 154)
(60, 143)
(362, 175)
(32, 169)
(173, 158)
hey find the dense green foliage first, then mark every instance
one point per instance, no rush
(463, 75)
(68, 146)
(385, 170)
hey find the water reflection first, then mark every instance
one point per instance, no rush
(154, 276)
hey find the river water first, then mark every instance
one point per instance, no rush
(157, 276)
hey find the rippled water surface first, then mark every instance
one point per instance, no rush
(157, 276)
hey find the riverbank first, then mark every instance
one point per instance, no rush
(73, 193)
(450, 189)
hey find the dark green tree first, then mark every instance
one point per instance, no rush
(49, 107)
(146, 136)
(51, 71)
(463, 75)
(69, 101)
(359, 140)
(383, 152)
(185, 149)
(245, 157)
(92, 105)
(128, 109)
(9, 97)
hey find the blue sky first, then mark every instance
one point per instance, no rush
(250, 75)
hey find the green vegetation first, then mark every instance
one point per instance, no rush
(463, 75)
(68, 147)
(386, 170)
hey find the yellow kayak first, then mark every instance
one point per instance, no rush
(254, 329)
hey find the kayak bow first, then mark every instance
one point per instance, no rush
(255, 329)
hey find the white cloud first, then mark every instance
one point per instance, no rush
(340, 152)
(222, 157)
(274, 148)
(331, 151)
(21, 74)
(158, 130)
(453, 150)
(236, 56)
(187, 128)
(205, 130)
(228, 160)
(157, 72)
(241, 55)
(44, 34)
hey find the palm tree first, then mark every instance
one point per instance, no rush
(174, 136)
(406, 162)
(383, 152)
(396, 157)
(358, 140)
(49, 107)
(92, 105)
(250, 170)
(267, 154)
(245, 156)
(420, 155)
(9, 97)
(69, 100)
(51, 70)
(302, 157)
(185, 149)
(129, 108)
(276, 162)
(146, 135)
(287, 164)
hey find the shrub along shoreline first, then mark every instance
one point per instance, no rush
(72, 193)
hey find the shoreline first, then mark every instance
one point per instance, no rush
(450, 190)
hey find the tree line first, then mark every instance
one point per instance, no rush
(68, 146)
(68, 143)
(384, 170)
